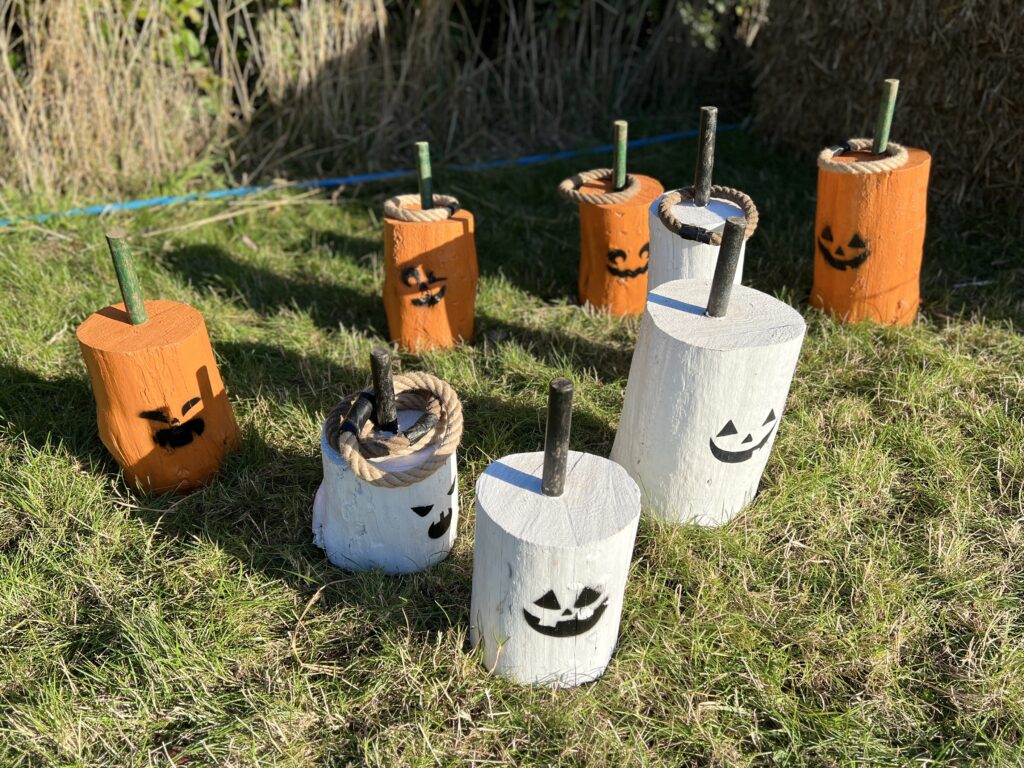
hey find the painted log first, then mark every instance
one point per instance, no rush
(614, 247)
(550, 569)
(706, 393)
(677, 258)
(869, 231)
(364, 527)
(161, 406)
(389, 497)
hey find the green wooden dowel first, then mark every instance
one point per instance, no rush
(885, 110)
(127, 278)
(621, 132)
(423, 173)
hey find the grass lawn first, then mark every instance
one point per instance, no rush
(868, 607)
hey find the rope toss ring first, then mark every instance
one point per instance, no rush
(569, 189)
(444, 208)
(350, 430)
(700, 234)
(896, 156)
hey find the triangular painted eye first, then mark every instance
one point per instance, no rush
(770, 419)
(550, 600)
(856, 241)
(185, 408)
(154, 416)
(587, 596)
(826, 233)
(423, 511)
(728, 429)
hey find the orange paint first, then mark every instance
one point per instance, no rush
(869, 238)
(430, 280)
(161, 406)
(614, 248)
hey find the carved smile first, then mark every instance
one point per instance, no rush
(841, 264)
(569, 627)
(735, 457)
(428, 299)
(440, 528)
(627, 272)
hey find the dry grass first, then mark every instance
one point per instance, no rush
(961, 70)
(98, 99)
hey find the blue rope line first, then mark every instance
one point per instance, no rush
(338, 181)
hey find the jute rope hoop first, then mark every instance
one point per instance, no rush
(413, 391)
(445, 207)
(569, 189)
(896, 157)
(700, 234)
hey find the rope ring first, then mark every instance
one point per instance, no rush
(896, 156)
(419, 391)
(700, 234)
(444, 208)
(569, 189)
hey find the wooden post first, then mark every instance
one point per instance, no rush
(549, 572)
(385, 412)
(885, 111)
(556, 436)
(423, 174)
(705, 156)
(675, 258)
(704, 398)
(621, 143)
(127, 278)
(161, 406)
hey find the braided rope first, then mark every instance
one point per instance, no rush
(569, 189)
(700, 234)
(419, 391)
(896, 156)
(445, 207)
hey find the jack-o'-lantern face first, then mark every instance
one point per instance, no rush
(577, 611)
(839, 256)
(425, 291)
(177, 433)
(618, 262)
(733, 446)
(439, 527)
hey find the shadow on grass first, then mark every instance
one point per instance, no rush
(330, 305)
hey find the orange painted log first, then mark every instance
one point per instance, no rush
(161, 406)
(869, 238)
(614, 248)
(430, 280)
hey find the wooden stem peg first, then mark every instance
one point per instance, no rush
(705, 156)
(728, 263)
(385, 409)
(424, 176)
(127, 278)
(886, 108)
(549, 571)
(619, 160)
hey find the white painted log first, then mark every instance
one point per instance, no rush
(673, 258)
(549, 572)
(704, 399)
(397, 530)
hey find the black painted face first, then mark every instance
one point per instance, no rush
(742, 449)
(556, 621)
(851, 256)
(423, 281)
(617, 261)
(176, 434)
(440, 527)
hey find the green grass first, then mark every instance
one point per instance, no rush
(867, 608)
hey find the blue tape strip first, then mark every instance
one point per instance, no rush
(363, 178)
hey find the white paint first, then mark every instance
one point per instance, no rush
(673, 258)
(692, 374)
(528, 544)
(365, 527)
